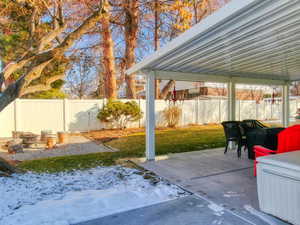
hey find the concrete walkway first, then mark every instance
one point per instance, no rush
(77, 145)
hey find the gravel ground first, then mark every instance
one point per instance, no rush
(77, 145)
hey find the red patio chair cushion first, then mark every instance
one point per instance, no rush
(288, 141)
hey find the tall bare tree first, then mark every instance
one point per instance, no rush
(109, 67)
(131, 28)
(81, 79)
(156, 41)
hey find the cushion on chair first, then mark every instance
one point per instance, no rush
(289, 139)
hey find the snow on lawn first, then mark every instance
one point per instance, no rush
(68, 198)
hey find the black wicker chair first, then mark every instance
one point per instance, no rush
(251, 124)
(234, 132)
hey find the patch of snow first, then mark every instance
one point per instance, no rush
(231, 194)
(73, 197)
(218, 210)
(218, 222)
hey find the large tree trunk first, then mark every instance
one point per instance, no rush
(109, 68)
(10, 94)
(157, 89)
(131, 36)
(156, 42)
(100, 92)
(166, 89)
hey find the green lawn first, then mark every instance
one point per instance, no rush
(167, 141)
(173, 140)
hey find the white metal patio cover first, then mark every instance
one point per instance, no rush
(247, 41)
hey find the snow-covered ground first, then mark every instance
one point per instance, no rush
(68, 198)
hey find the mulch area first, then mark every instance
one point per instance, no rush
(104, 136)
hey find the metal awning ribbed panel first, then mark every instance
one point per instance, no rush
(246, 38)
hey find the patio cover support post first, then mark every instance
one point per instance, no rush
(231, 100)
(286, 104)
(150, 116)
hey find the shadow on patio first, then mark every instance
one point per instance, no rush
(213, 176)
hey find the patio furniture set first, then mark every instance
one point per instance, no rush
(278, 175)
(249, 133)
(259, 139)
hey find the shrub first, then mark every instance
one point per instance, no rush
(119, 114)
(172, 115)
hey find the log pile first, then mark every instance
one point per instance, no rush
(6, 169)
(15, 146)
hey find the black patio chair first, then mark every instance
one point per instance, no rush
(251, 124)
(266, 137)
(234, 133)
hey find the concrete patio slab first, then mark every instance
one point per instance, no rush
(222, 179)
(193, 165)
(183, 211)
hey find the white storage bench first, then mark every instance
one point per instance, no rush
(278, 183)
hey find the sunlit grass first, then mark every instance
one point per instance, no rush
(178, 140)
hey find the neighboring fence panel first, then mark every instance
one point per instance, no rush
(39, 115)
(247, 110)
(160, 105)
(7, 121)
(224, 110)
(188, 112)
(81, 115)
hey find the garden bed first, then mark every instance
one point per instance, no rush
(107, 135)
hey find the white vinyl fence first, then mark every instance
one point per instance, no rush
(81, 115)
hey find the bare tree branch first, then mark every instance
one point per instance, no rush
(38, 61)
(33, 74)
(76, 34)
(41, 87)
(14, 66)
(50, 37)
(166, 89)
